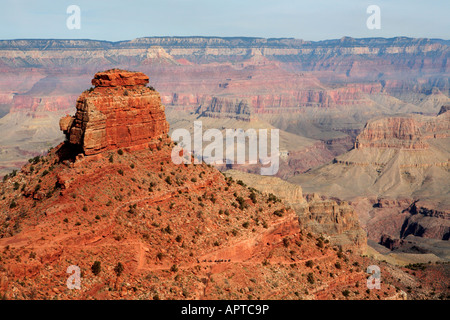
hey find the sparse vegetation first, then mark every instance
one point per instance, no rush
(118, 269)
(96, 268)
(278, 213)
(310, 278)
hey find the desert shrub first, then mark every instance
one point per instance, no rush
(278, 213)
(310, 278)
(241, 183)
(253, 197)
(272, 198)
(338, 265)
(118, 269)
(120, 152)
(160, 256)
(416, 266)
(120, 171)
(345, 293)
(167, 230)
(309, 263)
(13, 204)
(241, 201)
(96, 267)
(319, 243)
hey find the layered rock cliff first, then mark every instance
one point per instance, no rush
(226, 108)
(406, 132)
(120, 112)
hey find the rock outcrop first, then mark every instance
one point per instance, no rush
(120, 112)
(405, 132)
(426, 222)
(334, 220)
(224, 107)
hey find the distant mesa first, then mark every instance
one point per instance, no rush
(120, 112)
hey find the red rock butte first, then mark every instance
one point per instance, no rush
(120, 112)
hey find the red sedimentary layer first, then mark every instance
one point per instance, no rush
(120, 112)
(408, 132)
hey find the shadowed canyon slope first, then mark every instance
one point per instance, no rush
(141, 227)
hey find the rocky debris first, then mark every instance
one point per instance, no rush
(120, 112)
